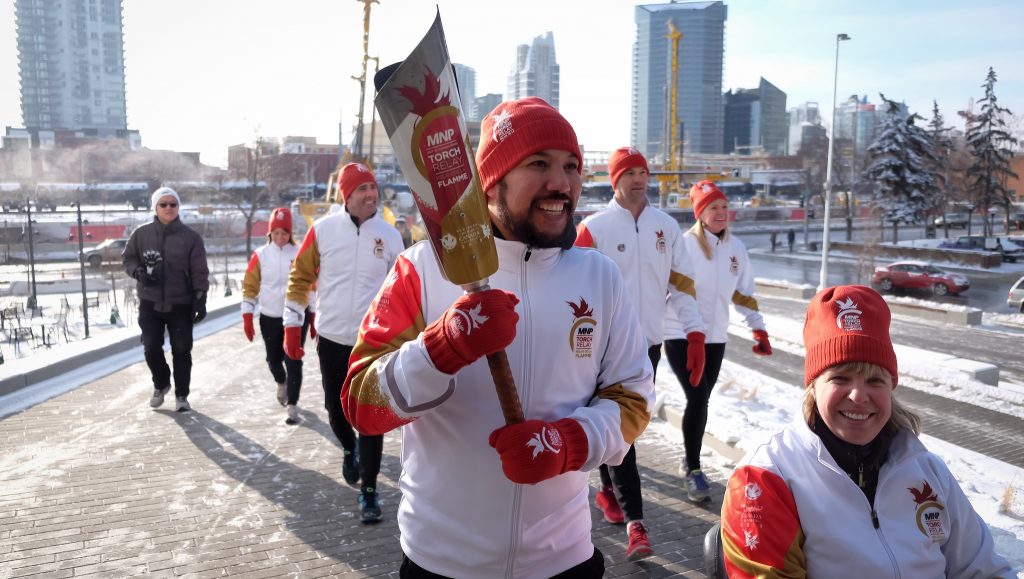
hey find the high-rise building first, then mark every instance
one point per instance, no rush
(71, 60)
(466, 78)
(698, 80)
(755, 120)
(806, 113)
(485, 104)
(536, 71)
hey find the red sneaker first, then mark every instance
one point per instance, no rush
(639, 545)
(609, 506)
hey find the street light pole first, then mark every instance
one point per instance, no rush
(822, 280)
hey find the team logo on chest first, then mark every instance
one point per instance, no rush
(621, 247)
(378, 248)
(584, 326)
(734, 265)
(659, 241)
(929, 513)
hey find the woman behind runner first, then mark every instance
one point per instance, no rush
(265, 282)
(722, 276)
(848, 489)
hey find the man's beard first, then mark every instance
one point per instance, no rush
(525, 232)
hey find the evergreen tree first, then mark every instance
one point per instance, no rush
(942, 146)
(900, 156)
(991, 145)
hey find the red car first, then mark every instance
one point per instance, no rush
(919, 275)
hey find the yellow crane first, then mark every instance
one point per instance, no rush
(670, 180)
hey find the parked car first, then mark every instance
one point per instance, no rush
(919, 275)
(108, 251)
(1011, 251)
(952, 219)
(1015, 297)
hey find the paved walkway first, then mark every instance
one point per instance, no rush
(95, 483)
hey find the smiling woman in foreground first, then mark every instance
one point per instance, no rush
(849, 489)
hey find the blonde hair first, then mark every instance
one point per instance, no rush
(697, 230)
(901, 416)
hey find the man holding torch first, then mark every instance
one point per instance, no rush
(482, 498)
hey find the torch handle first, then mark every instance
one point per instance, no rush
(501, 373)
(505, 385)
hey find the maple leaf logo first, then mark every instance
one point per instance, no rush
(660, 234)
(468, 320)
(924, 495)
(582, 309)
(633, 151)
(426, 101)
(848, 308)
(546, 440)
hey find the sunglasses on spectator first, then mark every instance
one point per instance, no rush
(165, 204)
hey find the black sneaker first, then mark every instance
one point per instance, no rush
(369, 506)
(350, 467)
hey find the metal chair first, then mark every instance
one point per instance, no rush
(21, 334)
(10, 314)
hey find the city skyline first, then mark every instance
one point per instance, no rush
(204, 76)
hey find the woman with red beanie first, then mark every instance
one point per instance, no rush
(848, 489)
(722, 277)
(263, 289)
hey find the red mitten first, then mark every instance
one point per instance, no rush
(247, 327)
(695, 356)
(761, 346)
(293, 342)
(534, 451)
(312, 325)
(477, 324)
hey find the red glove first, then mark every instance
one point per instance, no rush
(293, 342)
(761, 345)
(477, 324)
(250, 331)
(312, 326)
(534, 451)
(695, 356)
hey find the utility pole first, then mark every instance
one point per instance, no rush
(81, 266)
(357, 145)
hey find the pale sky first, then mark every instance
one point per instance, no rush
(206, 74)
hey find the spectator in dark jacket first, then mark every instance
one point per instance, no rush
(168, 260)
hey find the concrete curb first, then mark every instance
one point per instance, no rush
(36, 375)
(674, 416)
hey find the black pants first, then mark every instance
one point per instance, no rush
(178, 325)
(282, 368)
(625, 478)
(333, 368)
(695, 417)
(591, 568)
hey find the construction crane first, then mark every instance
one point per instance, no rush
(670, 179)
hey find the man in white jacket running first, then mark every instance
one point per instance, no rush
(647, 245)
(481, 498)
(347, 255)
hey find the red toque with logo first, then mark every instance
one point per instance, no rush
(847, 323)
(280, 218)
(351, 176)
(622, 160)
(517, 129)
(702, 194)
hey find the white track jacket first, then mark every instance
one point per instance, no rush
(654, 262)
(725, 279)
(790, 511)
(348, 264)
(579, 352)
(266, 279)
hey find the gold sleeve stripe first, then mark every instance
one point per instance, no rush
(305, 270)
(745, 301)
(633, 415)
(252, 279)
(682, 284)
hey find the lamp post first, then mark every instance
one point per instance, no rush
(822, 280)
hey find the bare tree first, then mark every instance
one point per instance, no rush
(250, 198)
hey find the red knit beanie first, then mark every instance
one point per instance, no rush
(702, 194)
(622, 160)
(517, 129)
(351, 176)
(280, 218)
(847, 323)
